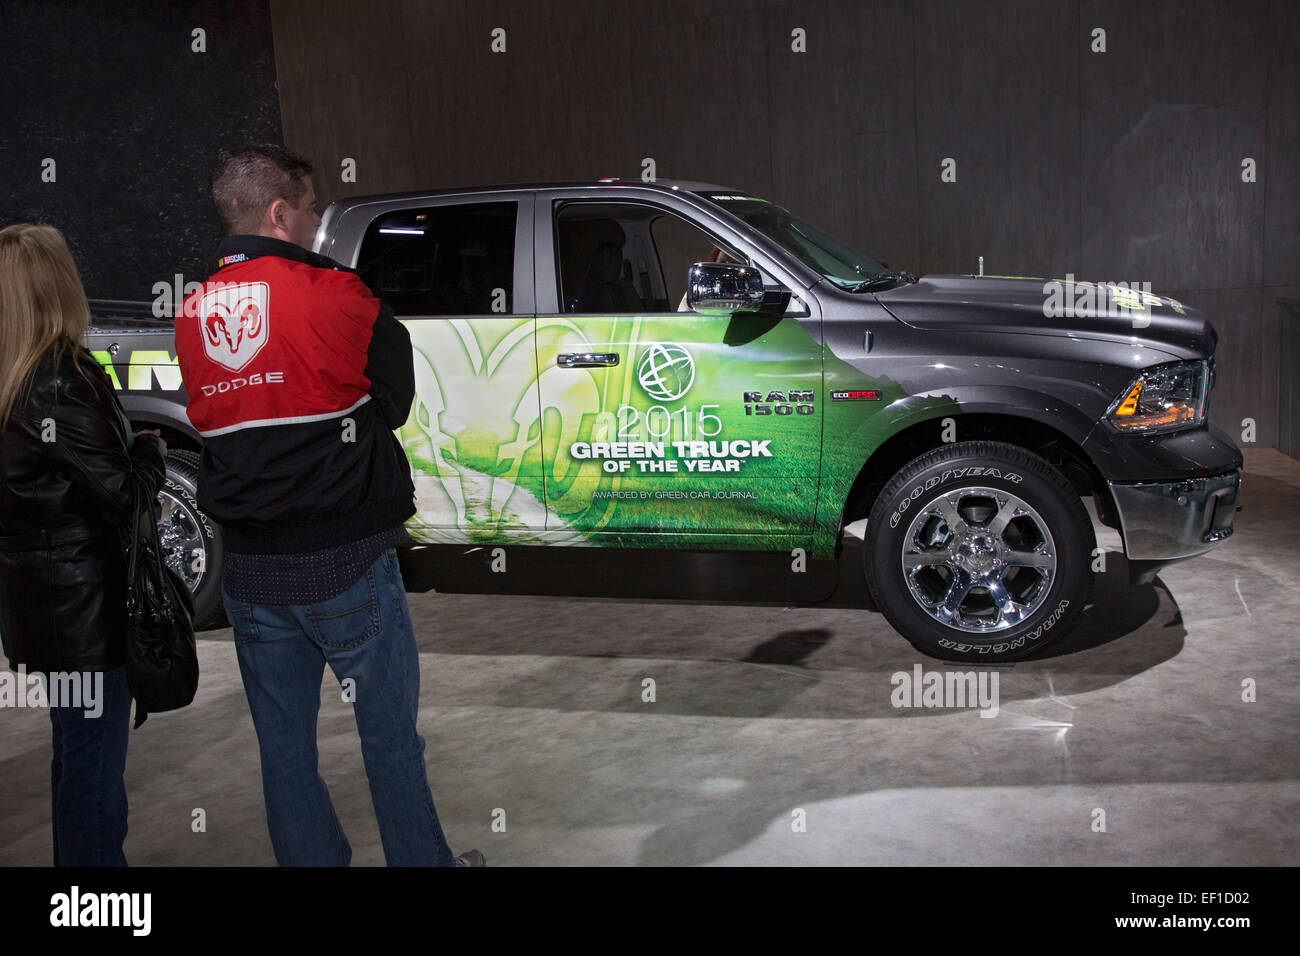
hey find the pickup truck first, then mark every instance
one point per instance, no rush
(676, 365)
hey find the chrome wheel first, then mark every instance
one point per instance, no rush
(978, 560)
(181, 535)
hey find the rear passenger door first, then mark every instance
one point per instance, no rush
(458, 272)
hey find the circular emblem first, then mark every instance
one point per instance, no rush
(666, 371)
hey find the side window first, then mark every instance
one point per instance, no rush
(442, 260)
(681, 245)
(625, 258)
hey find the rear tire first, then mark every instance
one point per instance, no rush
(979, 551)
(191, 541)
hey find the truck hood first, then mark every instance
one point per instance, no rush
(1062, 307)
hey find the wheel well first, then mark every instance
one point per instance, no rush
(1043, 440)
(173, 436)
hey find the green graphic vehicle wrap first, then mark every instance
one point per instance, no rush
(712, 432)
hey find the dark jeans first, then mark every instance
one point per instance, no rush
(365, 636)
(86, 786)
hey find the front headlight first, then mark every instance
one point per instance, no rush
(1163, 398)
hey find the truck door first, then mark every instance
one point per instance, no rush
(459, 275)
(657, 420)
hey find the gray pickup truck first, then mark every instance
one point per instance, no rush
(674, 365)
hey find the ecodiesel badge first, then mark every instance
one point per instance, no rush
(855, 395)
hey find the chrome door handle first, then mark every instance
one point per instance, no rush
(586, 359)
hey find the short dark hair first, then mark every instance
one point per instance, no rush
(248, 180)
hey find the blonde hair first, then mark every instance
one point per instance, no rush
(42, 305)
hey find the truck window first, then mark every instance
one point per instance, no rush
(626, 258)
(442, 260)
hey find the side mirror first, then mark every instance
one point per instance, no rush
(724, 288)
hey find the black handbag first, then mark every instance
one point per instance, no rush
(162, 663)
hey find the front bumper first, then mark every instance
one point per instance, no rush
(1165, 521)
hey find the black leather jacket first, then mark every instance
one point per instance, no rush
(69, 466)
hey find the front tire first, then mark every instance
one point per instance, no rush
(979, 551)
(192, 543)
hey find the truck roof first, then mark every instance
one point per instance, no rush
(664, 185)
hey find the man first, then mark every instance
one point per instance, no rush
(296, 378)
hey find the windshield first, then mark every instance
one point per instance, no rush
(840, 264)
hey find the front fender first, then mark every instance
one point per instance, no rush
(1046, 409)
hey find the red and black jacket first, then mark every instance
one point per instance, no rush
(296, 377)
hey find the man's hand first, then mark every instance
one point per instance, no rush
(162, 445)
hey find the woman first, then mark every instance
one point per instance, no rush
(69, 467)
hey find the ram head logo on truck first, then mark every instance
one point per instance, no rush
(234, 322)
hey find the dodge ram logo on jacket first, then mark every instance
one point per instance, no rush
(296, 376)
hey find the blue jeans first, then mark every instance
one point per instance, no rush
(88, 795)
(365, 636)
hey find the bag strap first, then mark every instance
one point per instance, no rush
(155, 546)
(146, 532)
(133, 552)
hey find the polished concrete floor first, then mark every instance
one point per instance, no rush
(773, 740)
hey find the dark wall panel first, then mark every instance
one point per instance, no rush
(842, 113)
(1169, 113)
(370, 122)
(133, 119)
(1117, 166)
(1281, 172)
(997, 91)
(700, 102)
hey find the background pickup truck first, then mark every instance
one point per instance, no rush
(676, 365)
